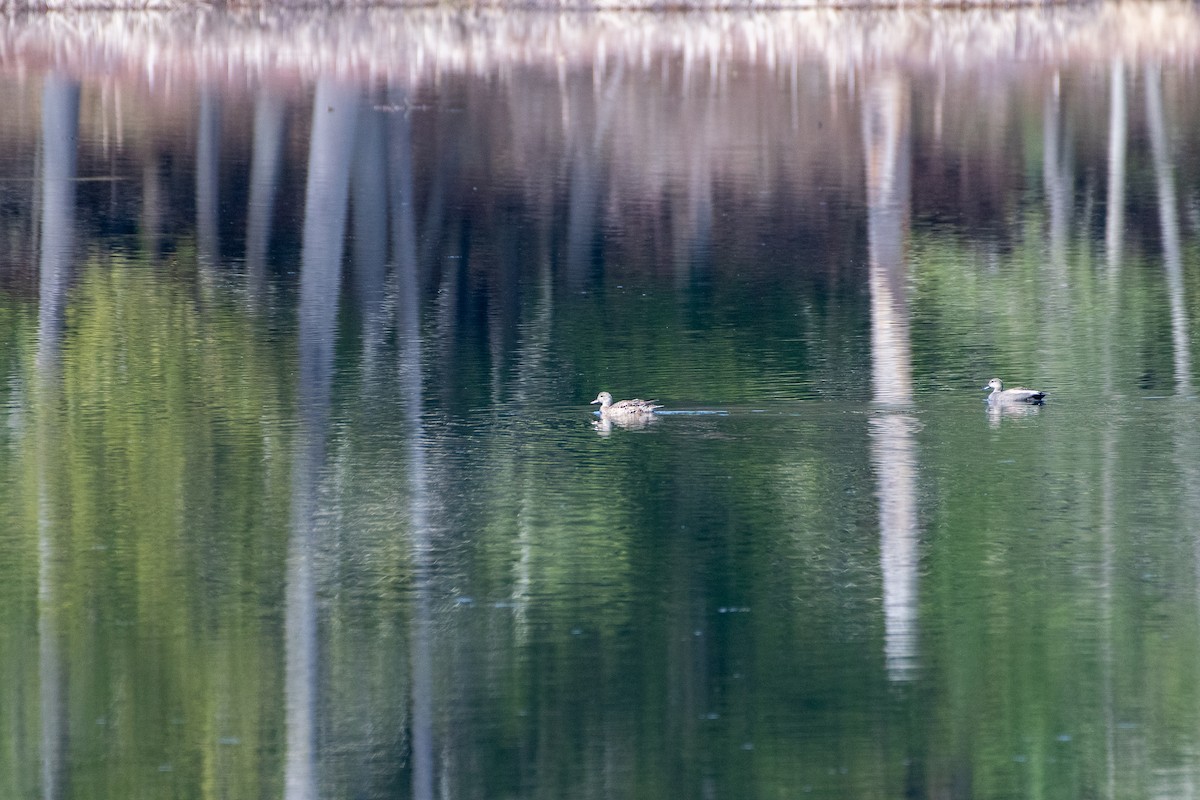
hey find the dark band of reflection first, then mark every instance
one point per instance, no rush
(264, 176)
(60, 129)
(369, 193)
(208, 177)
(893, 449)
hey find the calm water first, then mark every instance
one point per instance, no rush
(304, 498)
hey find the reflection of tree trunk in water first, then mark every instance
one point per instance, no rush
(444, 173)
(208, 177)
(691, 225)
(1187, 439)
(588, 168)
(369, 258)
(531, 379)
(503, 309)
(60, 130)
(408, 331)
(1113, 237)
(1114, 221)
(1107, 522)
(1056, 177)
(887, 145)
(693, 229)
(335, 113)
(264, 179)
(581, 218)
(1168, 216)
(404, 226)
(887, 142)
(1053, 284)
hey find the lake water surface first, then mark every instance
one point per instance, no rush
(304, 498)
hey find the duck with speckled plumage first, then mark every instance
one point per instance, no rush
(624, 409)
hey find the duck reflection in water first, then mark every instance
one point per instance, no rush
(999, 411)
(605, 425)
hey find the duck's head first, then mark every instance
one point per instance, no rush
(604, 399)
(995, 383)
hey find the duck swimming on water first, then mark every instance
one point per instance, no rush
(623, 409)
(1000, 395)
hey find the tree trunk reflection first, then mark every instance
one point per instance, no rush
(886, 142)
(60, 131)
(335, 115)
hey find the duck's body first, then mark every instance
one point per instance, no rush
(1002, 396)
(624, 409)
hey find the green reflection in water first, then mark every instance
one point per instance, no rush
(693, 604)
(160, 503)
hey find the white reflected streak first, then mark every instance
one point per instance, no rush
(60, 129)
(885, 140)
(1056, 174)
(1113, 239)
(535, 377)
(589, 167)
(894, 454)
(335, 113)
(1107, 577)
(887, 146)
(1186, 438)
(1114, 222)
(1169, 221)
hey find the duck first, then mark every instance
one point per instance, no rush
(1020, 394)
(624, 409)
